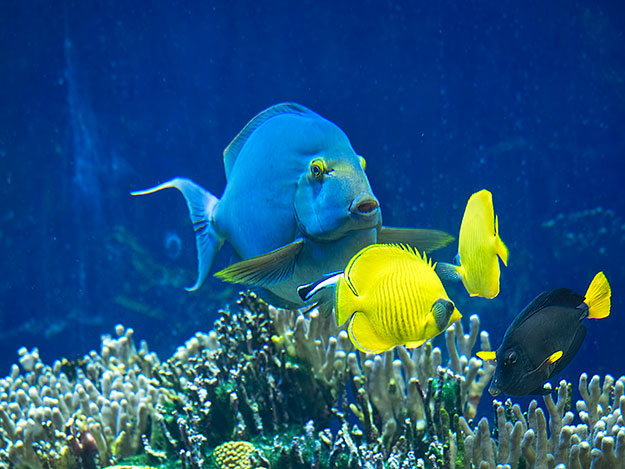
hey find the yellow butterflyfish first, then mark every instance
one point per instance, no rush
(479, 247)
(390, 295)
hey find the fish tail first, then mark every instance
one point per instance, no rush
(202, 205)
(345, 300)
(598, 297)
(500, 248)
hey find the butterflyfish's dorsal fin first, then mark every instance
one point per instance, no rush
(556, 297)
(371, 263)
(266, 269)
(422, 239)
(232, 150)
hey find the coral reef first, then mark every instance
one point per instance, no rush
(274, 388)
(81, 414)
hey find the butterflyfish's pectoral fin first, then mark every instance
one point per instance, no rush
(450, 272)
(266, 269)
(423, 239)
(598, 297)
(202, 205)
(306, 292)
(500, 248)
(487, 355)
(364, 337)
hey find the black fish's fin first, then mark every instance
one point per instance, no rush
(232, 150)
(542, 390)
(487, 355)
(598, 297)
(425, 240)
(556, 297)
(576, 343)
(266, 269)
(202, 205)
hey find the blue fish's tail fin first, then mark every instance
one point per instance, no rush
(450, 272)
(202, 206)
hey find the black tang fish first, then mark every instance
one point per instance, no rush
(543, 339)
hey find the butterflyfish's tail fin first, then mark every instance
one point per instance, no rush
(598, 297)
(500, 248)
(202, 205)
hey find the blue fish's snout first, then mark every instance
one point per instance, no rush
(364, 204)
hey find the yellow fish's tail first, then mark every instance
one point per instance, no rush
(598, 297)
(500, 247)
(345, 300)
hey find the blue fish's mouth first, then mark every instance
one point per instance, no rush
(364, 204)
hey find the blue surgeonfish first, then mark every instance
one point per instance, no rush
(543, 339)
(391, 296)
(297, 204)
(479, 249)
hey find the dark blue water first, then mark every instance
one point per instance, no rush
(526, 99)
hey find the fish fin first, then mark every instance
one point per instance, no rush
(598, 297)
(414, 344)
(553, 358)
(234, 148)
(423, 239)
(325, 302)
(487, 355)
(264, 270)
(576, 343)
(500, 248)
(202, 205)
(346, 299)
(306, 292)
(555, 297)
(450, 272)
(364, 336)
(542, 390)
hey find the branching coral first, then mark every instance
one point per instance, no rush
(69, 414)
(598, 441)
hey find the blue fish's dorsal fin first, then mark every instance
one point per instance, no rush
(232, 151)
(556, 297)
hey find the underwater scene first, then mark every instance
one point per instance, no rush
(325, 234)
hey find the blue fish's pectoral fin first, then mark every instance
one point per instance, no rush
(364, 336)
(306, 292)
(425, 240)
(450, 272)
(264, 270)
(201, 205)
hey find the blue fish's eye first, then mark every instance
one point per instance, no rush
(363, 163)
(318, 169)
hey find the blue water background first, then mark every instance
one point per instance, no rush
(443, 98)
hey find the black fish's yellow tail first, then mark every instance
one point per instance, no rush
(598, 297)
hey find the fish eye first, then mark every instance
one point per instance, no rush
(318, 169)
(511, 359)
(363, 163)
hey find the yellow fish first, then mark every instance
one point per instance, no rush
(391, 296)
(479, 245)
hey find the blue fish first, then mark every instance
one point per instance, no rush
(297, 204)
